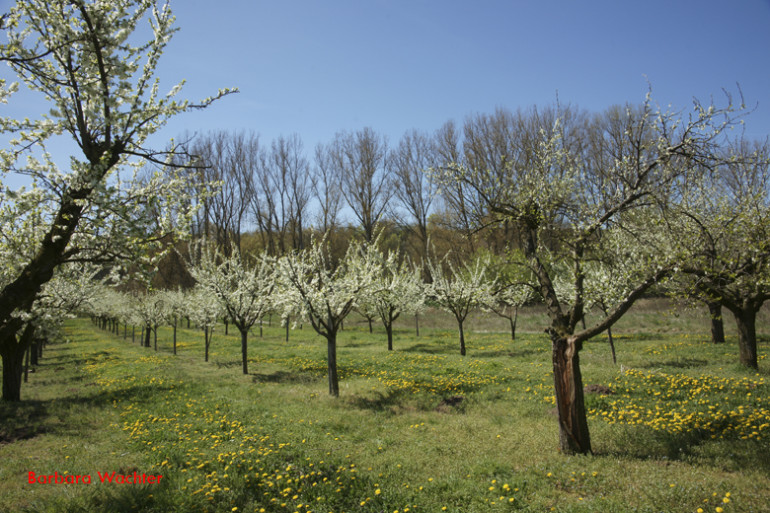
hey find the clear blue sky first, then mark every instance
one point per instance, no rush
(318, 67)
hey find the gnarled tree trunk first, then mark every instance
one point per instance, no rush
(574, 437)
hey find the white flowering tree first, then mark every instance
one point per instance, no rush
(398, 289)
(82, 57)
(513, 288)
(243, 288)
(566, 184)
(722, 234)
(71, 290)
(460, 290)
(324, 292)
(151, 311)
(175, 302)
(204, 311)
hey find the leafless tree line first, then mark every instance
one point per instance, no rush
(358, 180)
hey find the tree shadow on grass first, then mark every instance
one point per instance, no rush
(227, 364)
(283, 377)
(437, 348)
(30, 418)
(390, 401)
(732, 454)
(679, 363)
(403, 401)
(507, 353)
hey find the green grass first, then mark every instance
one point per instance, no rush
(419, 428)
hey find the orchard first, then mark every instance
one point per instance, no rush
(576, 215)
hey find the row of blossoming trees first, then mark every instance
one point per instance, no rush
(602, 208)
(306, 287)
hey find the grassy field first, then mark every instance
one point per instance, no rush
(677, 425)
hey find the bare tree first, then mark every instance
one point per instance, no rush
(228, 159)
(359, 158)
(291, 170)
(326, 188)
(448, 146)
(409, 164)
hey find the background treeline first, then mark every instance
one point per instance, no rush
(276, 196)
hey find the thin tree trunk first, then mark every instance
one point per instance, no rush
(244, 355)
(155, 336)
(370, 324)
(574, 437)
(717, 325)
(26, 363)
(175, 322)
(133, 332)
(389, 330)
(612, 346)
(513, 320)
(462, 337)
(35, 351)
(417, 324)
(331, 350)
(206, 342)
(287, 329)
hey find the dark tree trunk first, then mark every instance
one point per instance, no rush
(244, 352)
(125, 331)
(226, 325)
(13, 351)
(417, 324)
(155, 336)
(287, 329)
(133, 332)
(745, 320)
(13, 363)
(612, 346)
(147, 333)
(331, 358)
(174, 335)
(462, 337)
(717, 326)
(574, 437)
(26, 364)
(370, 324)
(389, 330)
(513, 320)
(206, 343)
(260, 329)
(34, 354)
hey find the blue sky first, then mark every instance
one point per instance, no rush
(318, 67)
